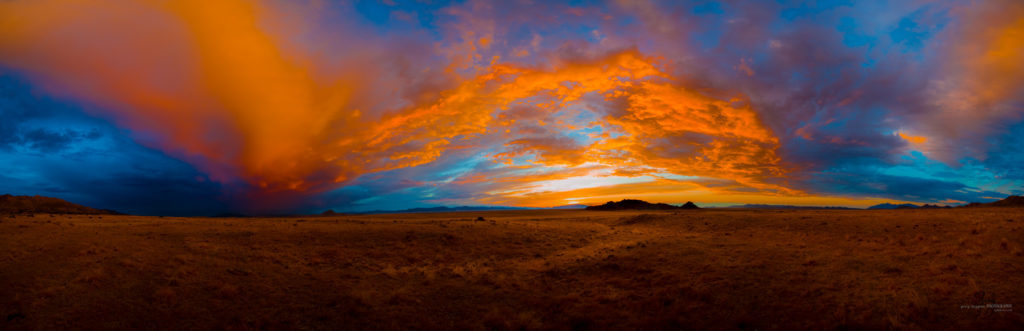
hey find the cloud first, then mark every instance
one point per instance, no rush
(980, 90)
(899, 187)
(298, 105)
(26, 117)
(47, 141)
(171, 73)
(109, 172)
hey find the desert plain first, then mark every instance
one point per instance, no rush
(533, 269)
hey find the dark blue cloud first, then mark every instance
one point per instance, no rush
(914, 30)
(911, 177)
(52, 148)
(50, 141)
(897, 187)
(1006, 154)
(409, 187)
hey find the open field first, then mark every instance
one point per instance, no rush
(568, 269)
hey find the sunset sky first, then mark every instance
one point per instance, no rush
(198, 107)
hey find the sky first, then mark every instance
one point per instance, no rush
(195, 107)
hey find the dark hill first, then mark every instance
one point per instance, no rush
(892, 206)
(16, 204)
(570, 207)
(630, 204)
(1010, 201)
(760, 206)
(907, 206)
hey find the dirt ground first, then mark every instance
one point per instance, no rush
(555, 269)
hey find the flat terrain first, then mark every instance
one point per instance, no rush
(567, 269)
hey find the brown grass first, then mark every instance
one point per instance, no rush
(718, 269)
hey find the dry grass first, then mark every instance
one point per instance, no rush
(718, 269)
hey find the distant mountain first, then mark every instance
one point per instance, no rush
(570, 207)
(16, 204)
(631, 204)
(440, 210)
(230, 215)
(1010, 201)
(756, 206)
(907, 206)
(331, 212)
(893, 206)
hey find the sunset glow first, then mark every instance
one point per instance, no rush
(299, 106)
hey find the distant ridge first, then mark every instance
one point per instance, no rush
(756, 206)
(927, 206)
(906, 206)
(439, 210)
(17, 204)
(570, 207)
(893, 206)
(230, 215)
(1010, 201)
(631, 204)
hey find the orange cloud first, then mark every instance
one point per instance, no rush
(221, 85)
(991, 49)
(744, 67)
(688, 133)
(983, 71)
(132, 59)
(467, 109)
(913, 139)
